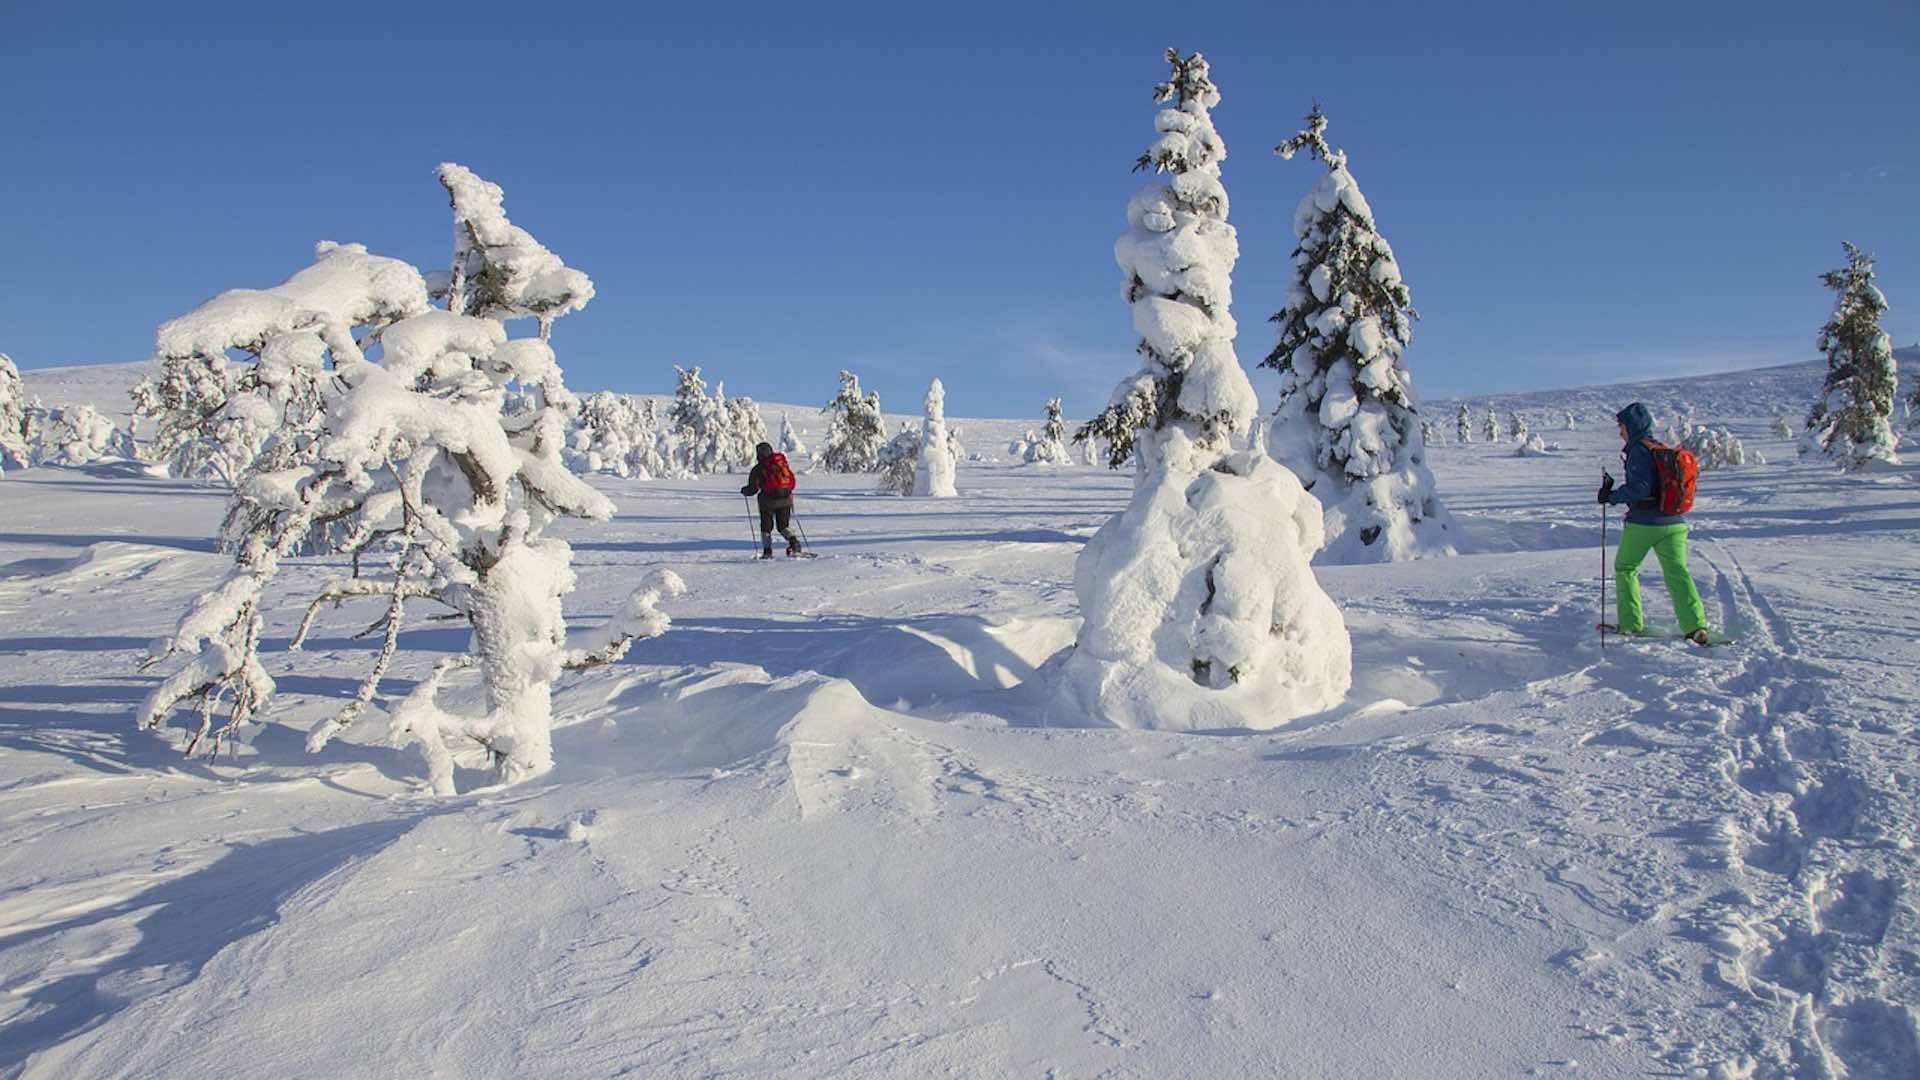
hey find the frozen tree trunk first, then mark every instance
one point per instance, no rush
(933, 472)
(1201, 611)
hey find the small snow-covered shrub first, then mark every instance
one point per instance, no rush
(855, 433)
(1852, 423)
(897, 462)
(446, 456)
(1347, 423)
(78, 435)
(1200, 609)
(1050, 446)
(1535, 446)
(1714, 448)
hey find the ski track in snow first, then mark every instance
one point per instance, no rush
(810, 832)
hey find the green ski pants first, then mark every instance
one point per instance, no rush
(1669, 544)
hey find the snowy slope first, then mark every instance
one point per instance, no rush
(811, 830)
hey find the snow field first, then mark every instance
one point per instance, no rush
(813, 830)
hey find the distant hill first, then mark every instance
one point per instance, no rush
(1750, 395)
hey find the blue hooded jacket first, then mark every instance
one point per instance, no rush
(1640, 491)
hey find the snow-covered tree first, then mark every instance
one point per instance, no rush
(447, 454)
(1200, 609)
(746, 429)
(1714, 448)
(1050, 447)
(14, 449)
(610, 435)
(1517, 428)
(790, 443)
(1490, 427)
(1853, 420)
(896, 463)
(1428, 433)
(78, 435)
(241, 373)
(1463, 425)
(1570, 424)
(699, 423)
(933, 471)
(1347, 423)
(855, 433)
(1782, 427)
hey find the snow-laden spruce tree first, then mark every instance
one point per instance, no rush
(933, 469)
(790, 443)
(1570, 425)
(699, 425)
(855, 433)
(1050, 447)
(1347, 423)
(746, 429)
(1517, 428)
(1853, 420)
(220, 397)
(14, 450)
(1490, 427)
(1781, 426)
(897, 461)
(447, 454)
(1463, 425)
(1200, 608)
(1428, 433)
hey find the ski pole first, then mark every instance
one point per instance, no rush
(1603, 576)
(753, 526)
(805, 544)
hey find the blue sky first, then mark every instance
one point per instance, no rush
(776, 192)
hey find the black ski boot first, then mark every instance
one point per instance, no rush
(793, 547)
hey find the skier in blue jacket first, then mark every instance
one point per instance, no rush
(1649, 529)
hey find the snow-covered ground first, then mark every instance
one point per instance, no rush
(813, 831)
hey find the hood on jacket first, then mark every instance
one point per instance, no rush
(1639, 421)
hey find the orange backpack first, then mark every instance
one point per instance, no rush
(1677, 470)
(775, 473)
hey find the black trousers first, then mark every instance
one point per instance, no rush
(772, 516)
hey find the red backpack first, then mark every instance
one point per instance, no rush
(777, 475)
(1677, 469)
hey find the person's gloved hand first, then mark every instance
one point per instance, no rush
(1606, 488)
(746, 489)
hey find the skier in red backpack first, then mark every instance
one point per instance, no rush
(772, 480)
(1653, 524)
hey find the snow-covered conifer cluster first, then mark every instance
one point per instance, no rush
(77, 435)
(701, 440)
(611, 434)
(1852, 422)
(446, 457)
(855, 434)
(1716, 448)
(1201, 610)
(1347, 423)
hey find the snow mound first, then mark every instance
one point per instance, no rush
(1202, 613)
